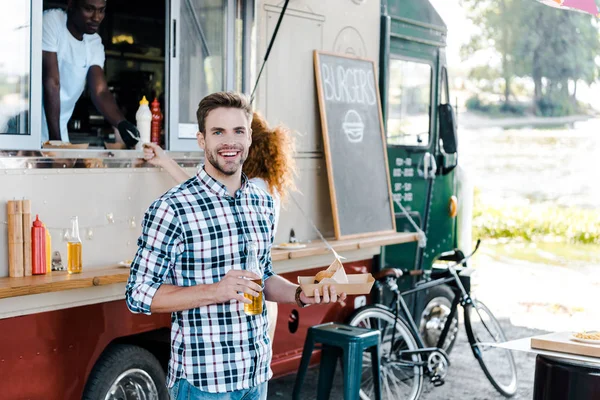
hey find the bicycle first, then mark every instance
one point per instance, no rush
(405, 358)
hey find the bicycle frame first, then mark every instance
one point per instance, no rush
(461, 295)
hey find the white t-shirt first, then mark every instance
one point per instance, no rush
(276, 198)
(75, 58)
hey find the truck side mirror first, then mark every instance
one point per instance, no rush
(448, 137)
(447, 128)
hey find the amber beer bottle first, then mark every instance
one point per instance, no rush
(252, 265)
(74, 248)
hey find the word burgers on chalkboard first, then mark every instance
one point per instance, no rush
(354, 142)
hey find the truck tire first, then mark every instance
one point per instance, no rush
(125, 372)
(437, 307)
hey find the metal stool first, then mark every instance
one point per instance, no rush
(347, 342)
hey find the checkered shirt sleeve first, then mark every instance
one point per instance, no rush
(158, 247)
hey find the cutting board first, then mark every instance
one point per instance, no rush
(562, 343)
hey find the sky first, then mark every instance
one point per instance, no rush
(459, 27)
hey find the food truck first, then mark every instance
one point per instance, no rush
(71, 336)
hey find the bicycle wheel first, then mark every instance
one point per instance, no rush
(401, 378)
(497, 363)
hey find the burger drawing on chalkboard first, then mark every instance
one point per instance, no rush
(353, 127)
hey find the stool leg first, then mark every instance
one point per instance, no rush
(353, 360)
(305, 361)
(376, 370)
(329, 357)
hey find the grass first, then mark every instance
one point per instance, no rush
(539, 233)
(537, 223)
(560, 254)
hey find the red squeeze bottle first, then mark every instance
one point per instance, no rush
(38, 247)
(156, 125)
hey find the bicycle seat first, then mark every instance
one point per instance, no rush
(384, 273)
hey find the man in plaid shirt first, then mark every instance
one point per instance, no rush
(191, 263)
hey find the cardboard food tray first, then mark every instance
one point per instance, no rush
(561, 342)
(357, 284)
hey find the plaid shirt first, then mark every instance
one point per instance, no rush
(193, 235)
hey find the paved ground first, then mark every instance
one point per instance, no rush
(528, 299)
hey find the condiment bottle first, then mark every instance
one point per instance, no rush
(143, 119)
(38, 247)
(48, 250)
(157, 119)
(74, 264)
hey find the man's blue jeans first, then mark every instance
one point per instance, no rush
(183, 390)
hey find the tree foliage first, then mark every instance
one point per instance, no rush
(555, 48)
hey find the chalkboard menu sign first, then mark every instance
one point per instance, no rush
(355, 148)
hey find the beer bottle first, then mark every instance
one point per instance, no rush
(252, 265)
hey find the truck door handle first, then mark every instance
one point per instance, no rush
(427, 166)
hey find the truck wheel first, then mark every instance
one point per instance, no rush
(126, 372)
(434, 316)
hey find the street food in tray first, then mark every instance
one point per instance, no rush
(589, 337)
(335, 276)
(335, 273)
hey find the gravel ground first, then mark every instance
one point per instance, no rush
(465, 380)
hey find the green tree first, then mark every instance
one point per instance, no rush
(561, 48)
(498, 28)
(555, 48)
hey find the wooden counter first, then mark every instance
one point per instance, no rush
(61, 280)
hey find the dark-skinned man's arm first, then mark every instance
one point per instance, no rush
(105, 103)
(51, 85)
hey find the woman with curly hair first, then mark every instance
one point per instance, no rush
(270, 164)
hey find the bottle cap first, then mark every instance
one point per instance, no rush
(37, 222)
(143, 102)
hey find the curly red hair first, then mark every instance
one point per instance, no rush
(271, 156)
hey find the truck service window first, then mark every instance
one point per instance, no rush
(15, 38)
(134, 38)
(409, 103)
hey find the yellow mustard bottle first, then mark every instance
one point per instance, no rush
(48, 251)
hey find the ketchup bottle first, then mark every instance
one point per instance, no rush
(38, 247)
(157, 118)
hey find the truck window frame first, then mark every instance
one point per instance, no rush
(32, 139)
(432, 100)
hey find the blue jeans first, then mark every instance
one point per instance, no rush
(183, 390)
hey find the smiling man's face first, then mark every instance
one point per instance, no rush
(226, 140)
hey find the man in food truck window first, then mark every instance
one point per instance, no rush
(73, 55)
(192, 261)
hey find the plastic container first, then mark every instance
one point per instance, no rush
(38, 247)
(157, 118)
(143, 119)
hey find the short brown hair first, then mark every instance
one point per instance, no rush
(222, 100)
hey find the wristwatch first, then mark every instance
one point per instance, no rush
(299, 302)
